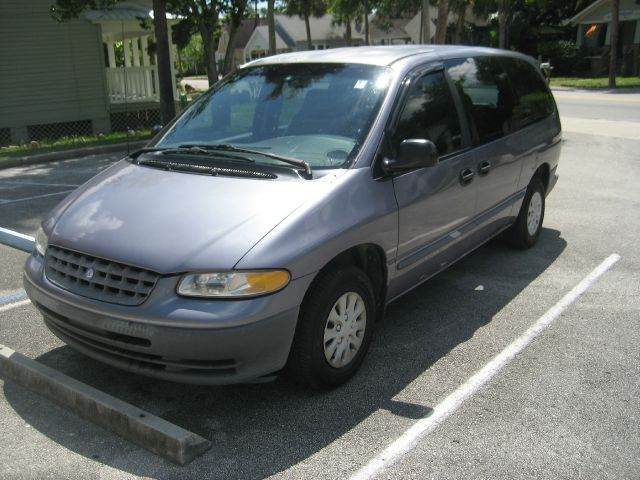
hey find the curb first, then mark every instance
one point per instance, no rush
(11, 162)
(619, 91)
(17, 240)
(138, 426)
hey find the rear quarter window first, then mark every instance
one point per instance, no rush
(533, 99)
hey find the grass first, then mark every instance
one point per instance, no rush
(598, 82)
(68, 143)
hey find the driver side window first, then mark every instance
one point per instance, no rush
(429, 113)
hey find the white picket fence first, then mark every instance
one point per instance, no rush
(132, 84)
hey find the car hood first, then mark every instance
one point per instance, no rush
(172, 222)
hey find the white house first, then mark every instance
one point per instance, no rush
(59, 79)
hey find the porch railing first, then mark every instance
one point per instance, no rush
(132, 84)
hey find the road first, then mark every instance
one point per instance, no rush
(617, 107)
(564, 406)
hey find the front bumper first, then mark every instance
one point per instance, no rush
(200, 341)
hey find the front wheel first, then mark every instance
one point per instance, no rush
(525, 231)
(334, 329)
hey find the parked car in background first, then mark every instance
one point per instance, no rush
(270, 224)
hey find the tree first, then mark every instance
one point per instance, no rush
(441, 23)
(613, 55)
(366, 22)
(520, 21)
(65, 10)
(460, 7)
(305, 9)
(201, 16)
(344, 12)
(425, 22)
(165, 83)
(236, 14)
(271, 26)
(504, 16)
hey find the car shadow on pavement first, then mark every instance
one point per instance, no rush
(262, 429)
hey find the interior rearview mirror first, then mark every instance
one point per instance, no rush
(413, 153)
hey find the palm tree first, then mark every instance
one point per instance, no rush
(441, 23)
(305, 9)
(271, 26)
(613, 55)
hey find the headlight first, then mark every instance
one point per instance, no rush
(41, 241)
(233, 284)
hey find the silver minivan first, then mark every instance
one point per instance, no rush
(270, 224)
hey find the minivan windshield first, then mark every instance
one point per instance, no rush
(318, 113)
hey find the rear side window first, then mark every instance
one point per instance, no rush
(533, 100)
(486, 95)
(429, 113)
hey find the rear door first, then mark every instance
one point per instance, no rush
(489, 101)
(435, 202)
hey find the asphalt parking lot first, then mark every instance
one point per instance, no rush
(564, 407)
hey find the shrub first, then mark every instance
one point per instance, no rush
(565, 57)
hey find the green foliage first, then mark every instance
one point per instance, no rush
(565, 57)
(599, 82)
(191, 58)
(65, 10)
(306, 8)
(345, 11)
(67, 143)
(396, 8)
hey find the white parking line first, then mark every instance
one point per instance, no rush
(11, 306)
(7, 202)
(449, 405)
(11, 182)
(14, 297)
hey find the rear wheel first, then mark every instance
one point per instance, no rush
(525, 231)
(334, 329)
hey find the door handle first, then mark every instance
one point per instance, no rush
(466, 176)
(484, 168)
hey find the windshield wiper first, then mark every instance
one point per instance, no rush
(190, 150)
(225, 147)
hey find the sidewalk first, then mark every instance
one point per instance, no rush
(10, 162)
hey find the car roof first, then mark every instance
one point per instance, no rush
(380, 55)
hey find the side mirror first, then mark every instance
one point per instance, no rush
(413, 153)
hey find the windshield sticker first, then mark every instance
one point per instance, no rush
(360, 84)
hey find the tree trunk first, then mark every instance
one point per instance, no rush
(271, 21)
(613, 55)
(209, 52)
(308, 27)
(165, 83)
(235, 21)
(504, 15)
(366, 22)
(229, 51)
(441, 25)
(462, 13)
(425, 27)
(347, 33)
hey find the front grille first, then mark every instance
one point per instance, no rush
(110, 282)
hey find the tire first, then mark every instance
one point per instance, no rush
(525, 231)
(333, 335)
